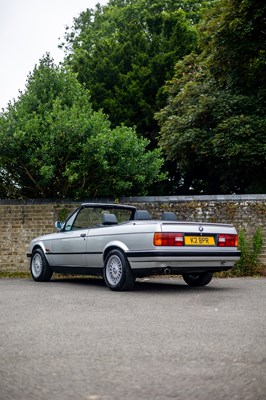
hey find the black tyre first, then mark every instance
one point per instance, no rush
(117, 271)
(39, 267)
(198, 279)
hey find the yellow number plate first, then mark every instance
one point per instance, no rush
(199, 241)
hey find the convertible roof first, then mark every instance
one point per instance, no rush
(109, 205)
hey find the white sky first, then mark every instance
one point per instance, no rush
(29, 29)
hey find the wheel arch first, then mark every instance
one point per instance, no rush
(41, 247)
(117, 272)
(115, 245)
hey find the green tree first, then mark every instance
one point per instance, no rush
(52, 144)
(214, 124)
(233, 40)
(125, 51)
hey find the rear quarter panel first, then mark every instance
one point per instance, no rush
(127, 237)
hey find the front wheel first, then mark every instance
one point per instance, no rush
(200, 279)
(117, 271)
(39, 267)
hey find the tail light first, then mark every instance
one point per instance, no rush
(168, 239)
(177, 239)
(228, 240)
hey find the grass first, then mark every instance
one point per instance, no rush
(14, 274)
(227, 274)
(23, 274)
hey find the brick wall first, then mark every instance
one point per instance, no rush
(21, 221)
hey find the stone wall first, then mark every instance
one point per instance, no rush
(21, 221)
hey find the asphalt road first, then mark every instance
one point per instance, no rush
(77, 340)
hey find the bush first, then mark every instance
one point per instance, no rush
(249, 264)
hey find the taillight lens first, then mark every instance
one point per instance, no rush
(168, 239)
(228, 240)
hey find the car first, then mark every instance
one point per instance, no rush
(122, 243)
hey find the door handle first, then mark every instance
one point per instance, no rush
(83, 235)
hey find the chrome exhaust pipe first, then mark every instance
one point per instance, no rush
(167, 271)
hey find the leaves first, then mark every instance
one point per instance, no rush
(124, 52)
(52, 144)
(214, 124)
(199, 66)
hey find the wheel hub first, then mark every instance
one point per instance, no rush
(114, 270)
(36, 265)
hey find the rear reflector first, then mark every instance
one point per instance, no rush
(168, 239)
(227, 240)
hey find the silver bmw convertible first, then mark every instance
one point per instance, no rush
(121, 243)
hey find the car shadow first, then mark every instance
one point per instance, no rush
(81, 280)
(169, 285)
(155, 285)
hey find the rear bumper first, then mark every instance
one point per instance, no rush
(184, 261)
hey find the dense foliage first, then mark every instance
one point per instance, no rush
(199, 66)
(52, 144)
(214, 125)
(125, 51)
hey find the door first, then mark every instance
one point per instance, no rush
(69, 247)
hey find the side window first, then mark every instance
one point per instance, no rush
(69, 222)
(86, 218)
(89, 217)
(82, 220)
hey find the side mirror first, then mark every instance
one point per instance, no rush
(58, 225)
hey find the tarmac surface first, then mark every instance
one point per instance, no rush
(74, 339)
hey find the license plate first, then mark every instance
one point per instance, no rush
(199, 241)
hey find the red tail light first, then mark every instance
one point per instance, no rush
(168, 239)
(226, 240)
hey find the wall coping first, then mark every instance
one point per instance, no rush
(176, 199)
(143, 199)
